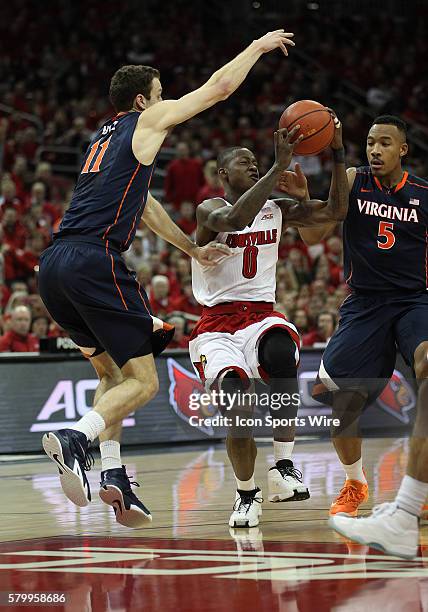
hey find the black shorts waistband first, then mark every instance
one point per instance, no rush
(92, 240)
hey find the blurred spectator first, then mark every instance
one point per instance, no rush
(21, 176)
(40, 327)
(186, 301)
(14, 233)
(213, 187)
(26, 260)
(19, 339)
(187, 219)
(378, 96)
(326, 325)
(78, 136)
(184, 177)
(335, 259)
(314, 308)
(38, 199)
(144, 275)
(301, 321)
(298, 265)
(8, 198)
(180, 339)
(159, 295)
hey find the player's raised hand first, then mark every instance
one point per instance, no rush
(210, 254)
(285, 141)
(295, 183)
(278, 39)
(337, 142)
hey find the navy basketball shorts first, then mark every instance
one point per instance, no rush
(361, 354)
(92, 295)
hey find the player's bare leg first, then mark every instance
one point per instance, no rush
(277, 358)
(110, 376)
(417, 467)
(139, 385)
(242, 452)
(115, 486)
(394, 527)
(69, 448)
(347, 407)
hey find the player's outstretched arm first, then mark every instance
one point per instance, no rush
(215, 216)
(158, 220)
(220, 86)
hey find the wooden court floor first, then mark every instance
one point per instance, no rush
(188, 559)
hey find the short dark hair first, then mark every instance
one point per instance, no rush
(392, 120)
(225, 156)
(128, 82)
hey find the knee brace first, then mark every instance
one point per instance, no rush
(277, 354)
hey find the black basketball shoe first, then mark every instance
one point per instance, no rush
(68, 449)
(115, 490)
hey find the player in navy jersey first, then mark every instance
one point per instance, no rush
(84, 281)
(386, 266)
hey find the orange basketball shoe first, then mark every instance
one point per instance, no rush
(353, 494)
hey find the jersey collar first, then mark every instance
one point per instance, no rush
(397, 187)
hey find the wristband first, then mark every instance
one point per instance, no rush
(339, 156)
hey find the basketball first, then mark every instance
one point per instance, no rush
(316, 123)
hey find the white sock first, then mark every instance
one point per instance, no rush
(91, 424)
(354, 471)
(110, 455)
(246, 485)
(411, 495)
(282, 450)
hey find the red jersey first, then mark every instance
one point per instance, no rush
(15, 343)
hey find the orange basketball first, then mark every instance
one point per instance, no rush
(316, 124)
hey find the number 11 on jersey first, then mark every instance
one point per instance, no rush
(99, 158)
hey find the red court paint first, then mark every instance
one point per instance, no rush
(107, 574)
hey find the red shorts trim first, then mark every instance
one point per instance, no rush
(235, 307)
(231, 323)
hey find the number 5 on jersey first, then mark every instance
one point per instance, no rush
(385, 231)
(97, 163)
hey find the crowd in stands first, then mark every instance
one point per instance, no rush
(57, 80)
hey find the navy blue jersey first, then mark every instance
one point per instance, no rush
(385, 235)
(112, 187)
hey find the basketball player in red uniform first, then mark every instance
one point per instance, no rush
(84, 281)
(385, 252)
(239, 336)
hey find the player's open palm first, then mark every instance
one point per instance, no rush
(294, 184)
(212, 253)
(285, 141)
(274, 40)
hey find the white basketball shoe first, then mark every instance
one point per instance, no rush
(247, 508)
(285, 483)
(389, 529)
